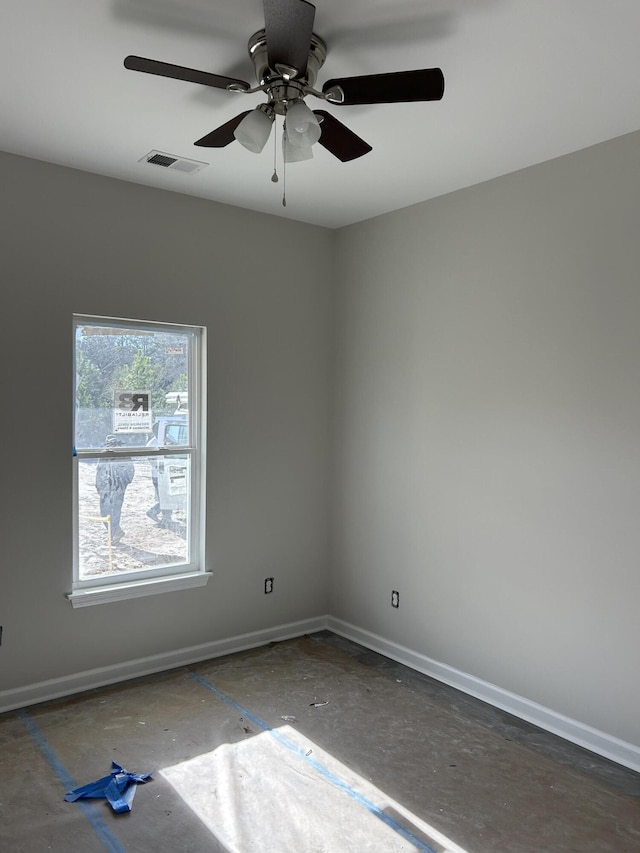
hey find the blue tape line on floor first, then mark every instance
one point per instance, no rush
(103, 832)
(330, 777)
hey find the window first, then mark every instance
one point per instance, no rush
(138, 458)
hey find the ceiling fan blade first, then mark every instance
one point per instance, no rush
(178, 72)
(222, 135)
(393, 88)
(338, 139)
(288, 28)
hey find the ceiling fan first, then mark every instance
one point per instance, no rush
(287, 56)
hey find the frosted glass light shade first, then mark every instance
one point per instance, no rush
(303, 127)
(253, 131)
(295, 153)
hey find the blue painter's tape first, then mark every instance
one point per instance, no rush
(109, 841)
(323, 771)
(119, 788)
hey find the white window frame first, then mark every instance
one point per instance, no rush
(167, 578)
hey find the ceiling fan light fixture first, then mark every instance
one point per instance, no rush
(303, 128)
(254, 129)
(295, 153)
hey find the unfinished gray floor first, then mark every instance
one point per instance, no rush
(392, 761)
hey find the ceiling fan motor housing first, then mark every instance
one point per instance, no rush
(282, 86)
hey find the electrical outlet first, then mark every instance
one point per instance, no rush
(268, 585)
(395, 598)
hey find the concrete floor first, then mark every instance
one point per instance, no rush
(392, 761)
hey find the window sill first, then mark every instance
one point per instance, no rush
(136, 589)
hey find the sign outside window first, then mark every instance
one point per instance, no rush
(132, 411)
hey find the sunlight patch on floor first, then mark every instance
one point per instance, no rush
(278, 792)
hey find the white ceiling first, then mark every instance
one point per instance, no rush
(526, 81)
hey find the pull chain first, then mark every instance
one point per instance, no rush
(284, 176)
(274, 177)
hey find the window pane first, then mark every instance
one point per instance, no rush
(133, 513)
(126, 378)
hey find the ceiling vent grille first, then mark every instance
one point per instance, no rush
(169, 161)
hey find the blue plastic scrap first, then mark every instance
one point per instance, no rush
(119, 788)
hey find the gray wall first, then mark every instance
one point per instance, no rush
(488, 432)
(75, 242)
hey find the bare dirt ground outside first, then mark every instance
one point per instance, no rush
(145, 545)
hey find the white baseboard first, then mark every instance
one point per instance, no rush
(579, 733)
(55, 688)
